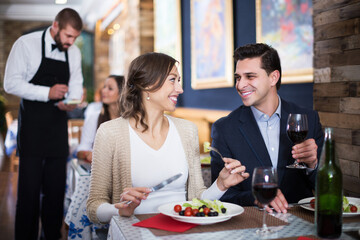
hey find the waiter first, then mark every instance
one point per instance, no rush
(44, 69)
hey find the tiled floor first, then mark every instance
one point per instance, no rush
(8, 187)
(8, 191)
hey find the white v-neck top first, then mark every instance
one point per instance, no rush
(150, 167)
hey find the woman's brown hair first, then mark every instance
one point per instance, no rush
(146, 72)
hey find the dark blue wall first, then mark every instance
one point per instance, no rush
(227, 98)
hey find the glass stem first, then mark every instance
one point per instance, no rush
(264, 227)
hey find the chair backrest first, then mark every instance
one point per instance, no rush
(10, 143)
(9, 119)
(74, 129)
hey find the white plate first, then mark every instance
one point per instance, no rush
(352, 200)
(231, 211)
(306, 206)
(71, 101)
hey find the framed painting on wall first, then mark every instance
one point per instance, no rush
(287, 27)
(167, 24)
(212, 44)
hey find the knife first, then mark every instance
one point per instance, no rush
(298, 204)
(289, 205)
(165, 182)
(160, 185)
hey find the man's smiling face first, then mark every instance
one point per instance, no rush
(253, 83)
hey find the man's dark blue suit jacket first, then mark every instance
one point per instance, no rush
(238, 136)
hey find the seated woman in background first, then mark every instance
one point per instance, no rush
(80, 227)
(144, 147)
(110, 110)
(96, 105)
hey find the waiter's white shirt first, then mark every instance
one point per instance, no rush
(24, 61)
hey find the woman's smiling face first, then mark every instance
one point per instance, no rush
(165, 98)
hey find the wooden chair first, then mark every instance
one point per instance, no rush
(14, 160)
(74, 129)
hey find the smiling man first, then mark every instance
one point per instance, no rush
(42, 69)
(255, 133)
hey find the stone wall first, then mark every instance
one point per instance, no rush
(337, 81)
(9, 32)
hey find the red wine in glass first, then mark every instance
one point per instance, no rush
(297, 129)
(265, 192)
(264, 188)
(297, 137)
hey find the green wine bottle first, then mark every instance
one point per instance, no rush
(329, 193)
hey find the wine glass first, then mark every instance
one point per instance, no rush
(297, 129)
(264, 188)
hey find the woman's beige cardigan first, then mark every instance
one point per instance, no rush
(111, 167)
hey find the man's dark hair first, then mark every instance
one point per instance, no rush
(69, 16)
(270, 60)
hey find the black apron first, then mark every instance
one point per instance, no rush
(42, 125)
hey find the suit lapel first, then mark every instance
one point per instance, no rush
(250, 130)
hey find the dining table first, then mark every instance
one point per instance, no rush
(297, 223)
(80, 227)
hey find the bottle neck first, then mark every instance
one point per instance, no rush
(328, 155)
(330, 151)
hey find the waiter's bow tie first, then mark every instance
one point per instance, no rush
(53, 47)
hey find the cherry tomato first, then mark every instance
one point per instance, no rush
(312, 203)
(206, 211)
(195, 211)
(177, 208)
(353, 208)
(188, 209)
(188, 213)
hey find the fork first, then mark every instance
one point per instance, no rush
(215, 150)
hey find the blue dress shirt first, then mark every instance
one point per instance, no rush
(270, 130)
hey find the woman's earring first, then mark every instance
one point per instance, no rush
(148, 97)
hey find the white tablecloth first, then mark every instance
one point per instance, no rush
(76, 218)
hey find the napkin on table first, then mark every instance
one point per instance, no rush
(163, 222)
(305, 238)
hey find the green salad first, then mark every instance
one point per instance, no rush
(348, 207)
(216, 205)
(200, 208)
(206, 147)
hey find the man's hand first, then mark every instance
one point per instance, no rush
(279, 203)
(306, 152)
(66, 107)
(58, 91)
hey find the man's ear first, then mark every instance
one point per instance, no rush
(55, 26)
(274, 77)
